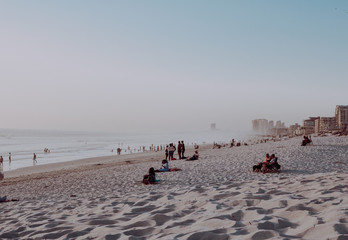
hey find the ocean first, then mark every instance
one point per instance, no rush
(68, 145)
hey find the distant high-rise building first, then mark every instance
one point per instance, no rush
(212, 126)
(260, 125)
(270, 124)
(278, 124)
(341, 114)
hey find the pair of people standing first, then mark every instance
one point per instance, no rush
(181, 150)
(169, 151)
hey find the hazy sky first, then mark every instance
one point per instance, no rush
(170, 65)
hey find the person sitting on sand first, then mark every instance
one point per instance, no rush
(274, 162)
(165, 166)
(194, 157)
(270, 164)
(151, 177)
(306, 140)
(267, 159)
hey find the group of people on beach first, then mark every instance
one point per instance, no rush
(171, 148)
(10, 159)
(150, 178)
(306, 140)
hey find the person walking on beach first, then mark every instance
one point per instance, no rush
(1, 161)
(9, 158)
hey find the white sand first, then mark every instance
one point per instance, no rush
(216, 197)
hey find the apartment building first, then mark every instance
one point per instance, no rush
(341, 114)
(325, 124)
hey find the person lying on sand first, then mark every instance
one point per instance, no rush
(4, 199)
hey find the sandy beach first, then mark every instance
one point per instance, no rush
(215, 197)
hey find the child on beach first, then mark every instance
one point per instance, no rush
(166, 152)
(165, 166)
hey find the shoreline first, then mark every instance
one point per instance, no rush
(94, 162)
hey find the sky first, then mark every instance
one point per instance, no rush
(132, 65)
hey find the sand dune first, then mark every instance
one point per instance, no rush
(216, 197)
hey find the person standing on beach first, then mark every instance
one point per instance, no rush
(166, 152)
(171, 151)
(118, 151)
(1, 161)
(34, 159)
(182, 150)
(179, 149)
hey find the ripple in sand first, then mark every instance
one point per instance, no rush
(140, 232)
(113, 237)
(225, 195)
(260, 197)
(266, 225)
(208, 235)
(76, 234)
(160, 219)
(146, 209)
(102, 222)
(301, 207)
(137, 224)
(183, 223)
(341, 228)
(263, 235)
(56, 235)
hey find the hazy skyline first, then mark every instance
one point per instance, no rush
(170, 65)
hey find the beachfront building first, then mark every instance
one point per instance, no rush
(341, 114)
(325, 124)
(295, 130)
(309, 126)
